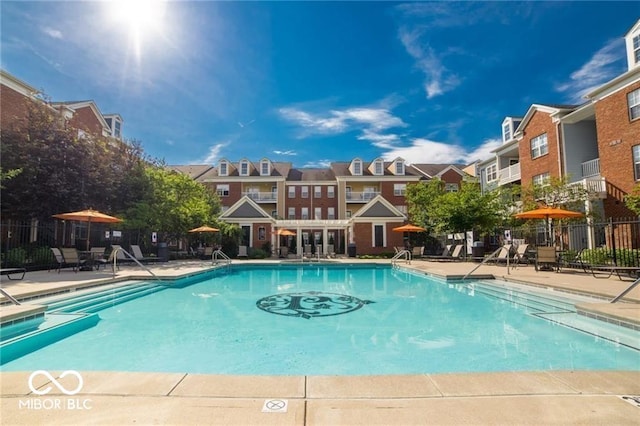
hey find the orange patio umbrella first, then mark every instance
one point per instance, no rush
(409, 228)
(204, 228)
(548, 214)
(88, 216)
(285, 232)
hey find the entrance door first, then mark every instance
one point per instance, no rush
(246, 235)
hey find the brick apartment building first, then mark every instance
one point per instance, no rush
(595, 145)
(348, 203)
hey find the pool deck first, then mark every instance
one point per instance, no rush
(114, 398)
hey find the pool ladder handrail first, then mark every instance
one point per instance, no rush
(627, 290)
(402, 253)
(486, 259)
(219, 254)
(114, 254)
(10, 297)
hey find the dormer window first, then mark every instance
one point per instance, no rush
(399, 167)
(506, 132)
(636, 49)
(244, 168)
(264, 168)
(223, 169)
(357, 167)
(378, 167)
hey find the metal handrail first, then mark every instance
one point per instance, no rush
(486, 259)
(114, 254)
(10, 297)
(621, 295)
(222, 255)
(402, 253)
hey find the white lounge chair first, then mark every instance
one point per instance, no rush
(242, 251)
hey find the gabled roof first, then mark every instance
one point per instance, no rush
(16, 84)
(193, 171)
(434, 170)
(308, 174)
(341, 168)
(378, 208)
(277, 170)
(546, 108)
(245, 208)
(75, 105)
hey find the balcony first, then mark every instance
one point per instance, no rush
(591, 168)
(595, 186)
(361, 197)
(509, 174)
(262, 197)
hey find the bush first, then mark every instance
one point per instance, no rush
(15, 257)
(258, 254)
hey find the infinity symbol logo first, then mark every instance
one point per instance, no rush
(55, 382)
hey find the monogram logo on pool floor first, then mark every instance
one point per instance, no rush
(310, 304)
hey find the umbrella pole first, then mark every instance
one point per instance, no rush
(88, 233)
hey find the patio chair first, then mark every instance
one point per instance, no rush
(417, 252)
(137, 253)
(207, 253)
(505, 252)
(72, 258)
(331, 251)
(284, 251)
(547, 257)
(242, 251)
(446, 252)
(307, 250)
(58, 260)
(520, 256)
(97, 257)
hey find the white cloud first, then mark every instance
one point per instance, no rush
(287, 152)
(427, 151)
(603, 66)
(214, 153)
(53, 33)
(318, 164)
(438, 79)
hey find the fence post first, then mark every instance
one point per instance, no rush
(613, 241)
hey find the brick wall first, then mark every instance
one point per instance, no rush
(85, 119)
(540, 123)
(616, 137)
(14, 107)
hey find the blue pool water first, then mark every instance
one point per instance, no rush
(333, 320)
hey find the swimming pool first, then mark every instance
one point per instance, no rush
(334, 320)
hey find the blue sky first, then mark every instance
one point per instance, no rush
(315, 82)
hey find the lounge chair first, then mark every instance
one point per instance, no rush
(502, 256)
(58, 260)
(331, 251)
(307, 250)
(207, 253)
(10, 271)
(137, 253)
(547, 257)
(72, 258)
(242, 251)
(446, 252)
(284, 251)
(520, 256)
(121, 257)
(456, 254)
(417, 252)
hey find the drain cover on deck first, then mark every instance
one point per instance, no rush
(310, 304)
(275, 406)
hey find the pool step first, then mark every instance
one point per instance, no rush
(531, 300)
(97, 301)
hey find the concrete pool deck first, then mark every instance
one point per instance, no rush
(551, 397)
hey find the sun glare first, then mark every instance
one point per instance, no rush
(143, 18)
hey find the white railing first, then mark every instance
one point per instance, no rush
(406, 254)
(262, 196)
(219, 256)
(509, 174)
(591, 168)
(362, 196)
(597, 187)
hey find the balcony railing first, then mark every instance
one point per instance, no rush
(591, 168)
(262, 197)
(361, 197)
(597, 187)
(509, 174)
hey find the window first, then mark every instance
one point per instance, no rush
(274, 213)
(348, 192)
(291, 214)
(506, 132)
(116, 133)
(292, 192)
(541, 179)
(399, 189)
(636, 48)
(378, 168)
(378, 235)
(222, 190)
(369, 193)
(331, 213)
(402, 209)
(348, 214)
(224, 170)
(317, 213)
(244, 168)
(305, 213)
(399, 167)
(636, 161)
(633, 99)
(357, 167)
(451, 187)
(305, 192)
(331, 192)
(539, 146)
(262, 233)
(264, 168)
(317, 191)
(492, 173)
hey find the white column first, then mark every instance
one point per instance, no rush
(299, 241)
(325, 240)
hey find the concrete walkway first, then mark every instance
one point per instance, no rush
(115, 398)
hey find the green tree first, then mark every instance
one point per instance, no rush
(632, 200)
(556, 192)
(421, 197)
(172, 204)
